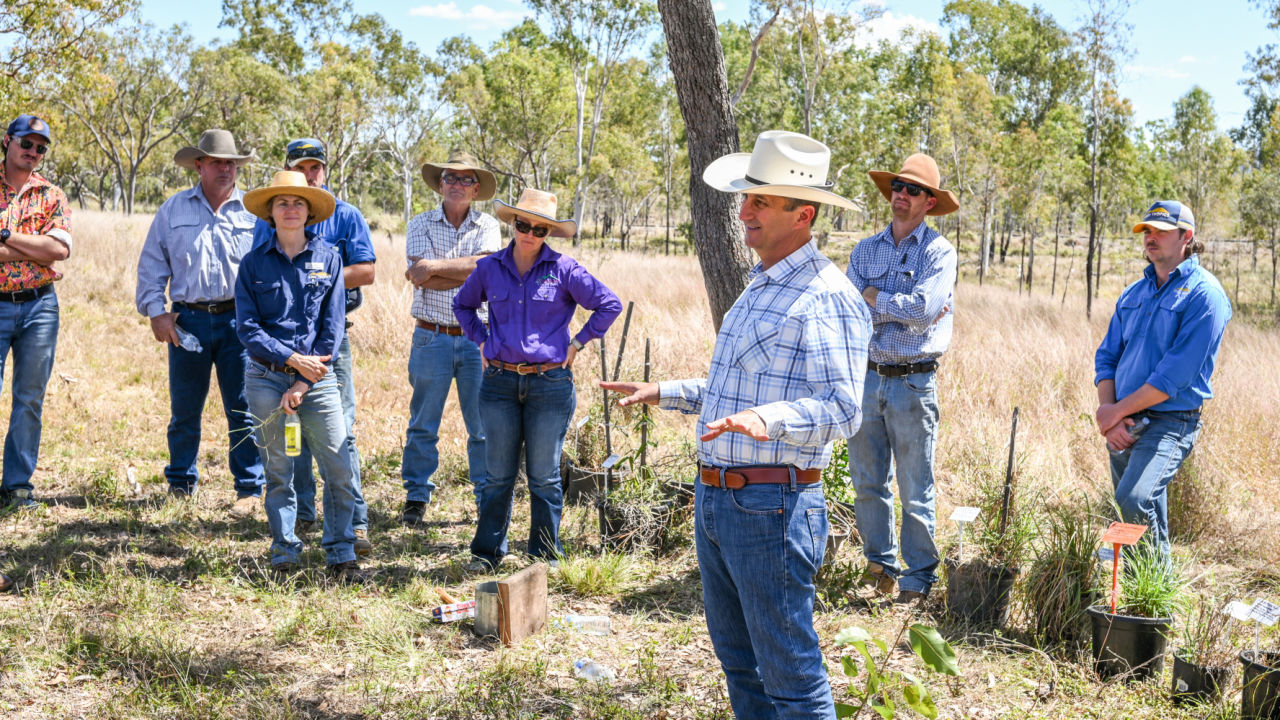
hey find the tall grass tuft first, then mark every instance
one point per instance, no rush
(1059, 582)
(590, 575)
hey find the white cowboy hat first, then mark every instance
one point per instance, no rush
(540, 207)
(782, 163)
(320, 202)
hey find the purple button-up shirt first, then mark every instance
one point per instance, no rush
(529, 315)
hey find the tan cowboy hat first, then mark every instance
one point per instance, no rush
(461, 160)
(214, 144)
(540, 207)
(782, 163)
(923, 171)
(290, 182)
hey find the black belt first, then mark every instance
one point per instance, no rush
(900, 370)
(274, 367)
(28, 295)
(213, 308)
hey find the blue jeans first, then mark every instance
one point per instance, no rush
(533, 411)
(758, 551)
(304, 481)
(30, 329)
(1141, 474)
(435, 361)
(897, 438)
(325, 431)
(189, 386)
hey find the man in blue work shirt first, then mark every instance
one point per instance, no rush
(348, 232)
(1154, 364)
(907, 274)
(194, 248)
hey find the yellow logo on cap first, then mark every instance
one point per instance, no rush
(1157, 211)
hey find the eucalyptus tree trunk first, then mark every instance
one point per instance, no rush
(702, 87)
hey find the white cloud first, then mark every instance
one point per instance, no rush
(476, 14)
(719, 7)
(1187, 59)
(1152, 71)
(890, 27)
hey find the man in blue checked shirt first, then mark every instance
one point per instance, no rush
(347, 231)
(907, 274)
(1154, 364)
(782, 388)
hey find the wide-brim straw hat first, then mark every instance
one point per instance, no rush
(539, 207)
(213, 143)
(921, 170)
(320, 202)
(461, 160)
(782, 163)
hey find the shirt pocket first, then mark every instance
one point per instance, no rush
(314, 293)
(1168, 317)
(502, 306)
(1133, 316)
(756, 349)
(269, 297)
(187, 243)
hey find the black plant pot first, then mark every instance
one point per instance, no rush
(1127, 645)
(581, 485)
(1197, 683)
(978, 592)
(1260, 698)
(836, 538)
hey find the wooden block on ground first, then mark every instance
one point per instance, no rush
(522, 604)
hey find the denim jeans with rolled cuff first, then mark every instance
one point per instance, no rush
(530, 412)
(30, 330)
(1141, 474)
(759, 549)
(897, 439)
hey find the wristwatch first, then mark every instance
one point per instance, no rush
(576, 345)
(4, 236)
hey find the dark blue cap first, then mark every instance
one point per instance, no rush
(304, 149)
(29, 125)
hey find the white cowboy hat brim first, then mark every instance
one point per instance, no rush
(729, 174)
(559, 228)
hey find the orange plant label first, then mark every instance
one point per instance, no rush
(1123, 534)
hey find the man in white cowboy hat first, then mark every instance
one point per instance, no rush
(442, 249)
(907, 274)
(35, 233)
(1154, 364)
(194, 249)
(782, 387)
(348, 232)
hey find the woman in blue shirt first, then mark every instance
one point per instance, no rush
(527, 395)
(290, 315)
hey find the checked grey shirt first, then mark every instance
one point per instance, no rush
(793, 348)
(433, 237)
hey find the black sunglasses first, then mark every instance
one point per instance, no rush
(911, 188)
(538, 232)
(462, 180)
(26, 144)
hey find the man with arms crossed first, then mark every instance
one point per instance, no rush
(781, 388)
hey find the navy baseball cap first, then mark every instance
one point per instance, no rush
(1167, 215)
(304, 149)
(29, 125)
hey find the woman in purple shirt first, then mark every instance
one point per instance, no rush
(527, 395)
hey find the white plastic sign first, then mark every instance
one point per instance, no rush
(964, 514)
(1238, 611)
(1265, 612)
(583, 421)
(611, 461)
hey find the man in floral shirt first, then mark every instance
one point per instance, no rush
(35, 232)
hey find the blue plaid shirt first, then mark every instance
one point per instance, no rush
(792, 349)
(916, 279)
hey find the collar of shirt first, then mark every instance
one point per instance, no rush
(437, 215)
(507, 257)
(1185, 268)
(33, 182)
(780, 270)
(919, 233)
(312, 239)
(196, 193)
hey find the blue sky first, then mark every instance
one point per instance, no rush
(1175, 44)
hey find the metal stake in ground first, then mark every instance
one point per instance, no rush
(622, 344)
(1008, 476)
(644, 414)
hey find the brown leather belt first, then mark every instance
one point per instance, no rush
(525, 368)
(274, 367)
(902, 370)
(437, 328)
(740, 477)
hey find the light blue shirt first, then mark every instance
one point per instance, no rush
(1166, 336)
(793, 348)
(916, 279)
(193, 250)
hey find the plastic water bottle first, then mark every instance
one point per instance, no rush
(292, 435)
(590, 624)
(187, 341)
(591, 670)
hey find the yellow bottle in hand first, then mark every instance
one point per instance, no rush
(292, 435)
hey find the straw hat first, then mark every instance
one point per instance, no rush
(290, 182)
(782, 163)
(921, 170)
(461, 160)
(213, 143)
(540, 207)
